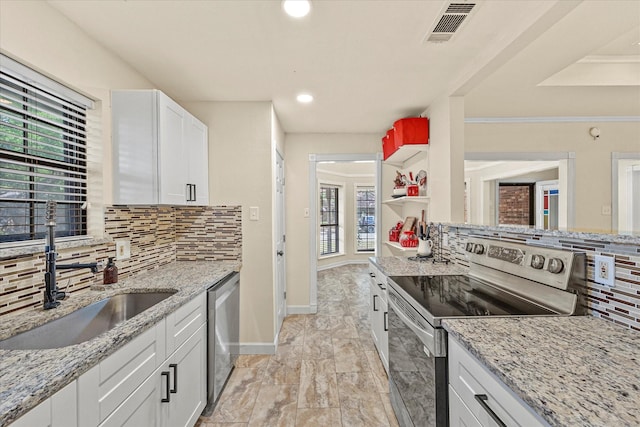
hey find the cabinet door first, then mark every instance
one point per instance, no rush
(60, 410)
(172, 161)
(134, 133)
(374, 311)
(459, 414)
(188, 373)
(383, 338)
(106, 386)
(197, 153)
(143, 407)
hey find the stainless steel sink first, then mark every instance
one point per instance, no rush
(85, 323)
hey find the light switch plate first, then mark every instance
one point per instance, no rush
(604, 270)
(123, 249)
(254, 213)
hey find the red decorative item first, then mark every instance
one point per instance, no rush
(388, 144)
(408, 240)
(412, 190)
(413, 130)
(394, 235)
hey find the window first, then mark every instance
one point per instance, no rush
(43, 154)
(366, 220)
(329, 221)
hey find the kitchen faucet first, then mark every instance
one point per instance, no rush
(52, 295)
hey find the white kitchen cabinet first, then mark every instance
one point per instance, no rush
(60, 410)
(107, 385)
(378, 314)
(159, 378)
(185, 321)
(485, 397)
(160, 153)
(174, 395)
(143, 407)
(188, 373)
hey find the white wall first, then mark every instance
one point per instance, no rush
(446, 159)
(298, 147)
(593, 158)
(240, 172)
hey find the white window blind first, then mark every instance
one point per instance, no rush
(43, 155)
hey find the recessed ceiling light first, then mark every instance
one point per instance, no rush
(296, 8)
(304, 98)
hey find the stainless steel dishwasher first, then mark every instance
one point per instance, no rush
(223, 334)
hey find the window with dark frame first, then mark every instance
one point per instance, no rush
(366, 220)
(43, 156)
(329, 221)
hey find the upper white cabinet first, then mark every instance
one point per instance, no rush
(160, 151)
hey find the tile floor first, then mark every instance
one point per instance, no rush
(326, 371)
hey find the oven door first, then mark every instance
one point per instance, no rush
(417, 378)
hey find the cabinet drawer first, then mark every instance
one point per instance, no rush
(104, 387)
(469, 378)
(185, 321)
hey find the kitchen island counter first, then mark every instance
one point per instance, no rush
(28, 377)
(403, 266)
(572, 371)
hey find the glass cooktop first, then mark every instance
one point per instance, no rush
(464, 296)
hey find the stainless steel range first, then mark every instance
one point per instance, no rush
(504, 279)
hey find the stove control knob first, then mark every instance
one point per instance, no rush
(478, 249)
(537, 262)
(555, 265)
(469, 247)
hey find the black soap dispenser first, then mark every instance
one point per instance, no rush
(110, 273)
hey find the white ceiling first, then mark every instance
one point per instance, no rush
(365, 61)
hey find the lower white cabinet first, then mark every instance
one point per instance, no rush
(174, 395)
(478, 398)
(187, 369)
(60, 410)
(378, 314)
(158, 379)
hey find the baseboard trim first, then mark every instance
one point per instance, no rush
(342, 263)
(302, 309)
(257, 348)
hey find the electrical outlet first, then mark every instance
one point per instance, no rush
(123, 249)
(306, 212)
(604, 270)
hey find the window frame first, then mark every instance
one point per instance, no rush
(339, 233)
(356, 222)
(48, 129)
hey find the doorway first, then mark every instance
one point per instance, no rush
(353, 222)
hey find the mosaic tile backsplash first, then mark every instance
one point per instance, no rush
(619, 304)
(158, 235)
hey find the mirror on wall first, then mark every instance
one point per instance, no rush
(625, 188)
(527, 193)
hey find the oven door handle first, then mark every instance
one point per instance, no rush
(428, 339)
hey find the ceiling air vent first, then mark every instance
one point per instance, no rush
(449, 21)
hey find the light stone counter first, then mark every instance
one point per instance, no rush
(403, 266)
(572, 371)
(28, 377)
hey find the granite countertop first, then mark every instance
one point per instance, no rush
(572, 371)
(403, 266)
(28, 377)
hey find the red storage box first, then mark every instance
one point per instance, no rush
(388, 144)
(413, 130)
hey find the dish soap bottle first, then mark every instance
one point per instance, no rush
(110, 273)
